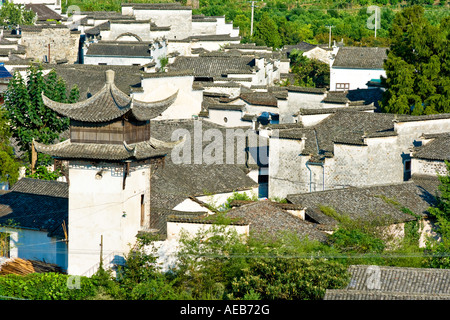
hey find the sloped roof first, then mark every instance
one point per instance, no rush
(157, 6)
(4, 73)
(108, 104)
(395, 283)
(302, 46)
(175, 182)
(266, 218)
(260, 98)
(214, 65)
(43, 12)
(360, 57)
(366, 203)
(36, 204)
(437, 149)
(121, 49)
(91, 78)
(139, 151)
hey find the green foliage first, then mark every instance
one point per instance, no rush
(9, 167)
(309, 72)
(362, 238)
(163, 62)
(278, 278)
(28, 116)
(216, 264)
(45, 286)
(239, 196)
(418, 65)
(438, 249)
(12, 15)
(43, 173)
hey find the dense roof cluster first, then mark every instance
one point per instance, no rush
(384, 202)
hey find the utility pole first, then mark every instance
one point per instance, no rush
(329, 40)
(253, 12)
(376, 21)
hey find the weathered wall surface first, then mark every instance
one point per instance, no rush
(63, 43)
(179, 21)
(99, 206)
(428, 167)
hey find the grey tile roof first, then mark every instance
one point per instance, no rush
(157, 6)
(108, 104)
(100, 27)
(311, 111)
(395, 283)
(344, 126)
(302, 46)
(428, 184)
(367, 202)
(268, 99)
(43, 12)
(160, 216)
(437, 149)
(268, 219)
(91, 78)
(174, 183)
(360, 58)
(215, 65)
(306, 90)
(139, 151)
(36, 204)
(119, 48)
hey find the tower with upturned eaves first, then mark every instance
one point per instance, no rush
(110, 155)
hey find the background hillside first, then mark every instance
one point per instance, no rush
(283, 22)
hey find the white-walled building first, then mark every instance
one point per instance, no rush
(125, 53)
(347, 148)
(354, 67)
(33, 221)
(110, 155)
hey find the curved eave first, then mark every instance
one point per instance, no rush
(119, 103)
(108, 152)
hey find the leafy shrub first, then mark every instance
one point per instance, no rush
(290, 279)
(45, 286)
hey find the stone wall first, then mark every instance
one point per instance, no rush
(63, 43)
(428, 167)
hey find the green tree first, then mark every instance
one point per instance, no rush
(438, 249)
(266, 32)
(28, 116)
(418, 65)
(9, 167)
(309, 72)
(12, 15)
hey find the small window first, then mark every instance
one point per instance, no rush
(408, 165)
(407, 170)
(225, 119)
(5, 247)
(342, 86)
(142, 210)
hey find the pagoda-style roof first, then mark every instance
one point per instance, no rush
(152, 148)
(108, 104)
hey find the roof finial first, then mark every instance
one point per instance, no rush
(109, 76)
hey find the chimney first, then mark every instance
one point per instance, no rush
(109, 76)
